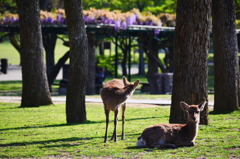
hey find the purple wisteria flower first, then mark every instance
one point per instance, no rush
(10, 20)
(157, 31)
(131, 20)
(60, 19)
(124, 25)
(94, 16)
(49, 20)
(117, 25)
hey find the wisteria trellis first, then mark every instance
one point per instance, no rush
(116, 19)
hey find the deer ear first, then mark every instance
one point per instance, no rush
(125, 81)
(184, 106)
(202, 105)
(136, 83)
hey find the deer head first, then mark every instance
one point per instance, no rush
(193, 111)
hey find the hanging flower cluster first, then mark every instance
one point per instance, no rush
(93, 16)
(9, 18)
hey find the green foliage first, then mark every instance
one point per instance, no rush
(165, 6)
(8, 5)
(43, 132)
(106, 62)
(238, 23)
(101, 4)
(157, 6)
(237, 3)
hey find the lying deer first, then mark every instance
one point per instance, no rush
(173, 135)
(114, 95)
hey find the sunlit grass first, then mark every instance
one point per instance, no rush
(43, 132)
(9, 52)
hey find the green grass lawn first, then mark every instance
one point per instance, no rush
(9, 52)
(43, 132)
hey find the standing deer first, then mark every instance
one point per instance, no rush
(114, 95)
(173, 135)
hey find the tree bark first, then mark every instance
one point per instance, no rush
(49, 43)
(190, 57)
(53, 75)
(141, 66)
(226, 80)
(90, 90)
(75, 102)
(35, 90)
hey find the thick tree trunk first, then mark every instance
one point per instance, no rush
(225, 56)
(75, 102)
(190, 58)
(35, 90)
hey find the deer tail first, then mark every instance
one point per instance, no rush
(141, 142)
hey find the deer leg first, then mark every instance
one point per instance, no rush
(107, 121)
(114, 137)
(123, 120)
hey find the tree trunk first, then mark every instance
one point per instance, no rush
(225, 56)
(35, 90)
(53, 75)
(190, 58)
(141, 66)
(75, 102)
(151, 47)
(124, 63)
(90, 90)
(123, 44)
(44, 5)
(49, 43)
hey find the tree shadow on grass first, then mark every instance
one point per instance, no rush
(220, 112)
(46, 142)
(54, 125)
(17, 106)
(144, 118)
(72, 124)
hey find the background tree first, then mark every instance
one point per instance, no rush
(190, 57)
(35, 90)
(93, 42)
(226, 73)
(155, 6)
(75, 103)
(8, 5)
